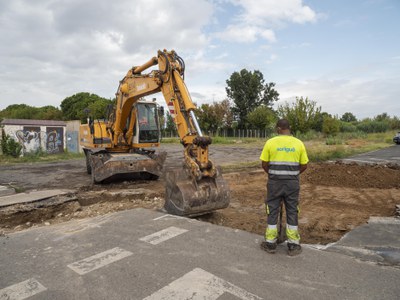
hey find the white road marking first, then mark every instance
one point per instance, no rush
(22, 290)
(377, 159)
(99, 260)
(163, 235)
(358, 160)
(169, 217)
(199, 284)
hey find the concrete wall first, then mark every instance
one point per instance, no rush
(72, 136)
(51, 139)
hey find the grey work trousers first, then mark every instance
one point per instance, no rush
(286, 191)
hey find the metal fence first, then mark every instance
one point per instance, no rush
(232, 133)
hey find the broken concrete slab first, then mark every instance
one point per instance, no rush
(378, 241)
(34, 196)
(6, 190)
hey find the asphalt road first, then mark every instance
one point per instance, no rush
(390, 155)
(143, 254)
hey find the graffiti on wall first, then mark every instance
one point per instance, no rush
(54, 140)
(31, 139)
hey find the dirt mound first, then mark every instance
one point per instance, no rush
(334, 199)
(353, 175)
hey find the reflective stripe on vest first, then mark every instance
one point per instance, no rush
(284, 168)
(286, 163)
(282, 172)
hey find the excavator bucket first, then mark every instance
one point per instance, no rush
(186, 196)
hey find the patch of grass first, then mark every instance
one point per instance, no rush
(40, 157)
(352, 135)
(17, 189)
(385, 137)
(334, 141)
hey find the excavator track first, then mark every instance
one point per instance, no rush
(186, 196)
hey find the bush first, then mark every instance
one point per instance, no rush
(347, 127)
(9, 146)
(330, 126)
(394, 123)
(373, 126)
(308, 136)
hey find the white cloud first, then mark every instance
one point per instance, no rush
(271, 59)
(264, 12)
(258, 18)
(51, 49)
(245, 34)
(362, 97)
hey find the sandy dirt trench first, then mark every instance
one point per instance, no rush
(334, 198)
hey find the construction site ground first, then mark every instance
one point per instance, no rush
(335, 197)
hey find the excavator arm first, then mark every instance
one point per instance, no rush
(169, 80)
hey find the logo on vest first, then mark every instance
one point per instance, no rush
(286, 149)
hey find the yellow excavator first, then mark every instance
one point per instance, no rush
(124, 143)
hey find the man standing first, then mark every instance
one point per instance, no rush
(283, 158)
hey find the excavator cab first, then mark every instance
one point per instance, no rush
(147, 123)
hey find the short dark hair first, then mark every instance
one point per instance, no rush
(283, 124)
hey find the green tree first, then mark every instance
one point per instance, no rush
(19, 111)
(384, 117)
(303, 115)
(248, 90)
(215, 116)
(23, 111)
(331, 126)
(394, 123)
(261, 118)
(319, 121)
(98, 108)
(348, 117)
(49, 112)
(76, 106)
(170, 126)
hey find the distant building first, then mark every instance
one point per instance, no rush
(47, 135)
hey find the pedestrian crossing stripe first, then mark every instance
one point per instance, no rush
(163, 235)
(99, 260)
(22, 290)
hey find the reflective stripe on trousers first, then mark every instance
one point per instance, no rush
(292, 233)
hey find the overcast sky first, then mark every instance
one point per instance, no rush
(345, 55)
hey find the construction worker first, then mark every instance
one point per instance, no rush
(283, 158)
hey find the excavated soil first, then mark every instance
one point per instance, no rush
(335, 198)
